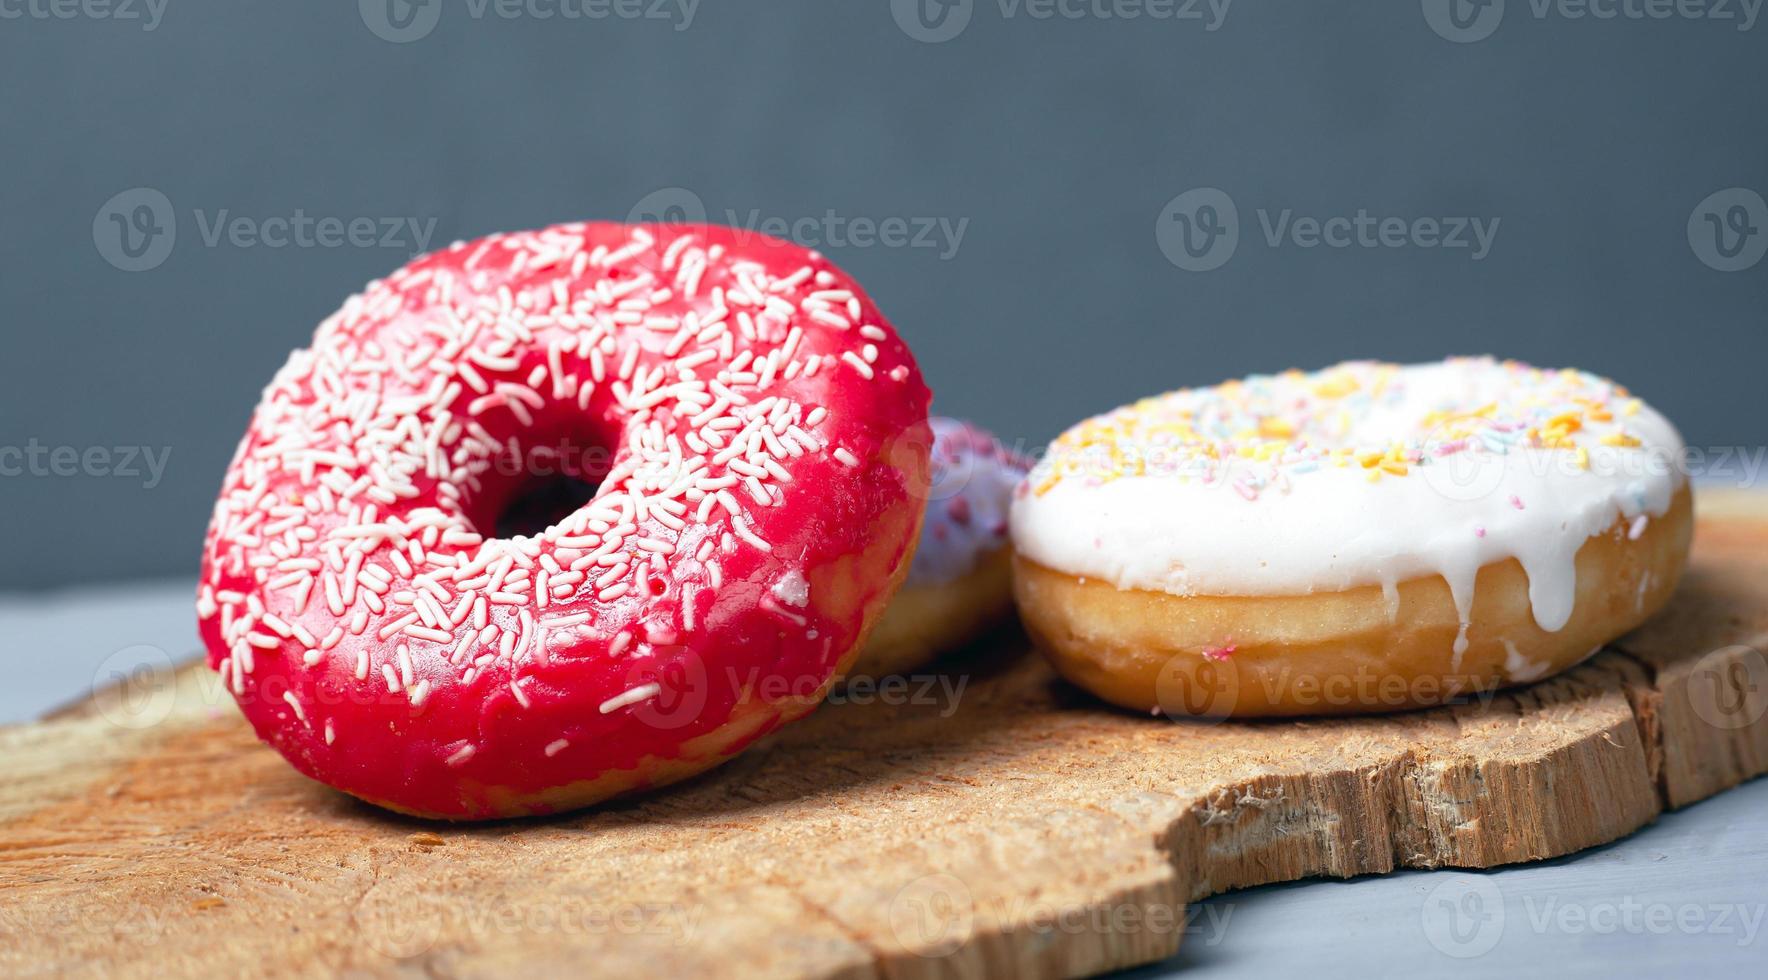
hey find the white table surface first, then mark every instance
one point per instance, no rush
(1685, 897)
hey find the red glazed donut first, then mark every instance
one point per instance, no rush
(767, 444)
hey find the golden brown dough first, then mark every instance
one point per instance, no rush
(1342, 652)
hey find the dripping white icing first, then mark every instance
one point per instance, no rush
(1520, 669)
(1390, 594)
(1193, 513)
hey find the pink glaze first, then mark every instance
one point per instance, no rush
(765, 422)
(974, 476)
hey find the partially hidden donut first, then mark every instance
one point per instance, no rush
(749, 433)
(1369, 537)
(961, 581)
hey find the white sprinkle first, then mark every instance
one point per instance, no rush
(275, 623)
(565, 622)
(858, 364)
(426, 633)
(641, 693)
(301, 713)
(742, 528)
(396, 625)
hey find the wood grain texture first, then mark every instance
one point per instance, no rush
(996, 822)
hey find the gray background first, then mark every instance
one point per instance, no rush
(1059, 140)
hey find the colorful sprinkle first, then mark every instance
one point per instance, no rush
(1264, 431)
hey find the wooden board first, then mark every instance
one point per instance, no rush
(998, 822)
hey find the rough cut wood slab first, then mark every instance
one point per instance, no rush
(1028, 832)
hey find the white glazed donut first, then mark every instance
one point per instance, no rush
(1367, 537)
(960, 582)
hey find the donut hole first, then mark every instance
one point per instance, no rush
(535, 484)
(541, 503)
